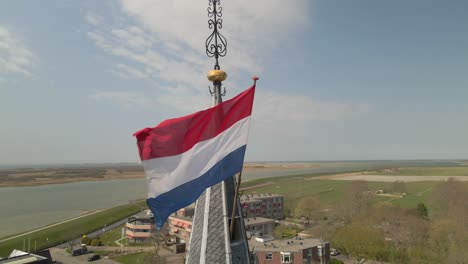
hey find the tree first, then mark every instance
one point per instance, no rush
(85, 240)
(154, 255)
(74, 241)
(95, 242)
(449, 198)
(336, 261)
(422, 210)
(307, 207)
(360, 242)
(356, 201)
(402, 228)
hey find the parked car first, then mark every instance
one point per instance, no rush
(94, 257)
(334, 252)
(80, 251)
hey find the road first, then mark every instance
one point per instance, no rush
(61, 256)
(95, 233)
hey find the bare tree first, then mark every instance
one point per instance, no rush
(402, 228)
(449, 199)
(356, 202)
(154, 257)
(307, 207)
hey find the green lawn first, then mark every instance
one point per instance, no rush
(110, 237)
(294, 188)
(134, 258)
(73, 229)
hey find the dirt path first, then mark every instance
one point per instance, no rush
(256, 186)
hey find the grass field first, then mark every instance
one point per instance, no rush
(331, 191)
(131, 258)
(110, 237)
(426, 171)
(64, 232)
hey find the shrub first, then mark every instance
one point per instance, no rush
(85, 240)
(422, 209)
(96, 242)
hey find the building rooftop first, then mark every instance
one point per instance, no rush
(21, 257)
(145, 214)
(185, 218)
(258, 196)
(258, 220)
(291, 245)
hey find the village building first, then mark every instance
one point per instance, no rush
(291, 251)
(265, 205)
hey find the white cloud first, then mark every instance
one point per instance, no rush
(127, 99)
(166, 38)
(15, 56)
(129, 72)
(93, 19)
(251, 27)
(274, 107)
(164, 41)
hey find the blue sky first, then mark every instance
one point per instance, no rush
(340, 80)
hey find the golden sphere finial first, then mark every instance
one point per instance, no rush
(216, 75)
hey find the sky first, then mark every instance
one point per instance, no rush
(339, 80)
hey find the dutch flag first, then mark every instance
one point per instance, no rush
(184, 156)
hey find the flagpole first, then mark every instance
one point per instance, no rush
(236, 194)
(211, 238)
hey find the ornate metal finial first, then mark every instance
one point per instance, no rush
(216, 43)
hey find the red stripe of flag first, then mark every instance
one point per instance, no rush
(175, 136)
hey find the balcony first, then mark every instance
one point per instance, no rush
(145, 226)
(133, 234)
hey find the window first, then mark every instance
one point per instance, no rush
(269, 256)
(286, 257)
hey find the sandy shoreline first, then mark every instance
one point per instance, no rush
(27, 177)
(359, 176)
(277, 166)
(44, 177)
(51, 180)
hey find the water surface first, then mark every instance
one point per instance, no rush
(27, 208)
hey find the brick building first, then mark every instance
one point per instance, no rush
(263, 205)
(291, 251)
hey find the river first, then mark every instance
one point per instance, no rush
(27, 208)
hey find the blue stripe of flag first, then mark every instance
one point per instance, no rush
(167, 203)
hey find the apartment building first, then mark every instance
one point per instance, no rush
(138, 227)
(265, 205)
(180, 224)
(259, 226)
